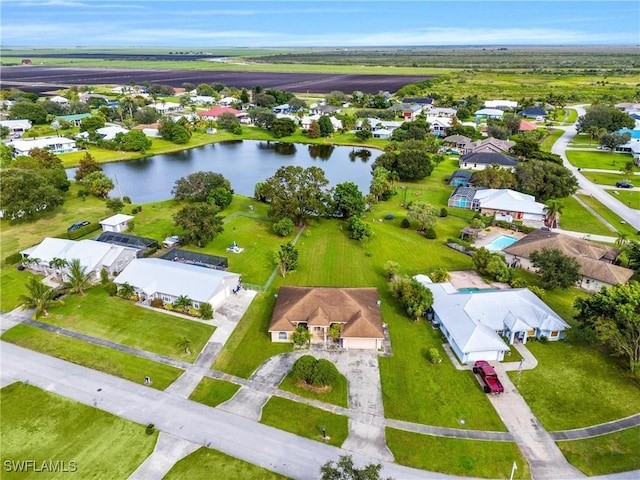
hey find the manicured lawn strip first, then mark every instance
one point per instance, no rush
(572, 115)
(213, 392)
(612, 453)
(250, 344)
(550, 139)
(45, 427)
(454, 456)
(12, 285)
(338, 395)
(606, 178)
(305, 420)
(577, 218)
(122, 321)
(88, 355)
(583, 140)
(201, 464)
(608, 215)
(629, 198)
(598, 159)
(576, 386)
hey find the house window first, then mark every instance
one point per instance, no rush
(554, 333)
(282, 335)
(196, 305)
(531, 333)
(500, 332)
(166, 299)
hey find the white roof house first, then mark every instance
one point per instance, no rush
(109, 133)
(475, 323)
(501, 104)
(16, 126)
(116, 223)
(168, 280)
(55, 144)
(519, 205)
(167, 107)
(489, 113)
(59, 99)
(94, 256)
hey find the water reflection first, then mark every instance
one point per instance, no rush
(323, 152)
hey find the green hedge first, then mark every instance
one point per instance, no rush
(13, 258)
(81, 232)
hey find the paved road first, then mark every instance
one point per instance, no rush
(282, 452)
(629, 215)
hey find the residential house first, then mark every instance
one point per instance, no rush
(505, 204)
(325, 110)
(157, 278)
(501, 104)
(16, 127)
(596, 261)
(110, 132)
(214, 113)
(441, 112)
(284, 108)
(489, 145)
(482, 160)
(626, 106)
(202, 100)
(59, 100)
(149, 129)
(116, 223)
(228, 101)
(355, 310)
(55, 144)
(527, 126)
(459, 141)
(381, 133)
(406, 110)
(487, 113)
(376, 123)
(534, 112)
(165, 108)
(93, 256)
(85, 97)
(439, 125)
(480, 325)
(75, 119)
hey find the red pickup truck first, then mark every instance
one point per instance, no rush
(488, 376)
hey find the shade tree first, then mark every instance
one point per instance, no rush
(200, 221)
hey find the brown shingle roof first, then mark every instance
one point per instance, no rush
(354, 308)
(592, 257)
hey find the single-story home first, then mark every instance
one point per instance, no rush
(460, 141)
(165, 108)
(110, 132)
(214, 113)
(382, 133)
(490, 144)
(325, 110)
(116, 223)
(157, 278)
(59, 100)
(501, 104)
(355, 310)
(75, 119)
(55, 144)
(596, 261)
(506, 203)
(93, 255)
(480, 325)
(85, 97)
(16, 127)
(482, 160)
(527, 126)
(486, 113)
(406, 110)
(533, 112)
(228, 101)
(632, 147)
(441, 112)
(626, 106)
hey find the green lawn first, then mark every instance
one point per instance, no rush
(612, 453)
(305, 420)
(99, 358)
(628, 197)
(598, 159)
(45, 427)
(577, 218)
(12, 285)
(338, 395)
(608, 215)
(213, 392)
(205, 464)
(122, 321)
(577, 386)
(606, 178)
(454, 456)
(550, 139)
(583, 140)
(572, 115)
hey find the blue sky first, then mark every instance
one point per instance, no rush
(237, 23)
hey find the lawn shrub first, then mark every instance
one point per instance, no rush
(13, 258)
(314, 372)
(430, 234)
(324, 373)
(444, 212)
(543, 339)
(303, 367)
(284, 227)
(518, 282)
(538, 291)
(434, 356)
(81, 232)
(111, 288)
(150, 429)
(405, 223)
(157, 303)
(206, 311)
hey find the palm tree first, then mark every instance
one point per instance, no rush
(186, 344)
(126, 290)
(621, 241)
(79, 279)
(58, 264)
(552, 210)
(40, 297)
(182, 302)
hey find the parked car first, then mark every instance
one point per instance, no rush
(489, 377)
(77, 225)
(624, 184)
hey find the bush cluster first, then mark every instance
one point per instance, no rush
(315, 372)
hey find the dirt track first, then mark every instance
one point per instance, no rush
(40, 78)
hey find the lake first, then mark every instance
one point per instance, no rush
(244, 163)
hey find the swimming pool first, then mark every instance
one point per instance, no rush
(498, 243)
(476, 290)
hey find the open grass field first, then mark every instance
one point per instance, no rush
(45, 427)
(616, 452)
(88, 355)
(628, 197)
(213, 392)
(305, 420)
(576, 386)
(455, 456)
(205, 463)
(598, 159)
(122, 321)
(338, 395)
(609, 216)
(577, 218)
